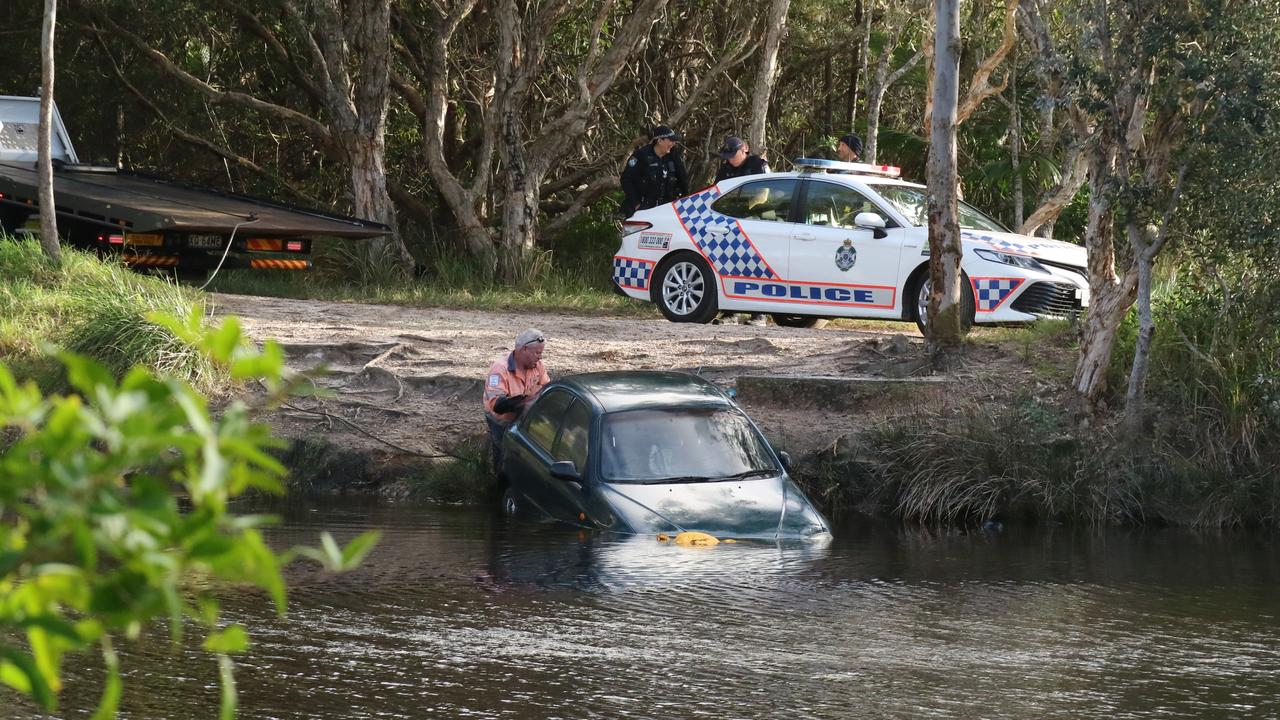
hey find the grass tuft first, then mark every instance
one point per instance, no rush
(96, 308)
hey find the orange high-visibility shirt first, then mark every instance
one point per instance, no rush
(505, 380)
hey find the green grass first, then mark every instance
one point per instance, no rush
(94, 308)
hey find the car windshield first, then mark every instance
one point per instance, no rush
(913, 203)
(682, 445)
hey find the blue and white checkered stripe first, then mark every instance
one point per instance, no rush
(632, 273)
(731, 253)
(988, 293)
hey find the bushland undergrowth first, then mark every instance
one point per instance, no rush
(1208, 457)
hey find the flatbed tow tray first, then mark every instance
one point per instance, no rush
(143, 204)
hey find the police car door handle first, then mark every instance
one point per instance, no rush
(718, 232)
(806, 237)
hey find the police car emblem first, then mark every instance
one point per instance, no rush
(846, 256)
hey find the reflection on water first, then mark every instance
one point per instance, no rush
(462, 613)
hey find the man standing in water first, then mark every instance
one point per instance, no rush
(513, 382)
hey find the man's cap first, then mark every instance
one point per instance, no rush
(730, 146)
(532, 336)
(662, 132)
(853, 141)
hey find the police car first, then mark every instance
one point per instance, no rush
(833, 239)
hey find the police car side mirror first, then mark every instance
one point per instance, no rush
(873, 222)
(785, 457)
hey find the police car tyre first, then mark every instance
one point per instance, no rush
(684, 289)
(798, 321)
(919, 309)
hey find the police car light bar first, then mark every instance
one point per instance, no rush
(819, 164)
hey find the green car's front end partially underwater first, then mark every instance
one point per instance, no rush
(646, 452)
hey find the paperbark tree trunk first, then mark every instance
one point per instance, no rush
(1111, 295)
(44, 140)
(944, 322)
(767, 73)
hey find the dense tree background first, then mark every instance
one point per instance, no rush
(497, 127)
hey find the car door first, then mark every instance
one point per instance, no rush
(749, 246)
(527, 462)
(837, 265)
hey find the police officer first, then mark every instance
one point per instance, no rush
(736, 160)
(849, 148)
(513, 382)
(655, 173)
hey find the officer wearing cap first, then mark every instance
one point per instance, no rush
(655, 173)
(513, 382)
(849, 148)
(736, 160)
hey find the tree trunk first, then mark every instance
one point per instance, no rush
(875, 96)
(44, 139)
(1107, 307)
(864, 60)
(1015, 143)
(367, 156)
(944, 322)
(767, 73)
(1134, 399)
(1057, 198)
(1110, 296)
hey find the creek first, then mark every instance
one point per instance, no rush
(464, 613)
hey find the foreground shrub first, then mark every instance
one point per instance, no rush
(95, 546)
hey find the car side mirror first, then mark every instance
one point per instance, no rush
(785, 457)
(566, 470)
(873, 222)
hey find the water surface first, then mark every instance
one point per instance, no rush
(467, 614)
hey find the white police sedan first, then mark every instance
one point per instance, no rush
(833, 240)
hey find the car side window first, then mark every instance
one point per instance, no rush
(760, 200)
(543, 420)
(832, 205)
(574, 433)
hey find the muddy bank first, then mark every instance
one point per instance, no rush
(405, 382)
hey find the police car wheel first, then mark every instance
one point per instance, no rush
(920, 311)
(685, 289)
(798, 321)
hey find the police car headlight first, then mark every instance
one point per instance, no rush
(1022, 261)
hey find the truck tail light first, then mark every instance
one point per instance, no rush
(111, 239)
(294, 246)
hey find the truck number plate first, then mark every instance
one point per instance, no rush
(205, 241)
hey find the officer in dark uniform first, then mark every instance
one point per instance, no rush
(736, 160)
(655, 173)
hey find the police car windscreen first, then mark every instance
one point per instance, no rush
(680, 445)
(914, 205)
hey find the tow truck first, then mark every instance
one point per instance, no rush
(148, 221)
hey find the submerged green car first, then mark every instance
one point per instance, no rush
(652, 452)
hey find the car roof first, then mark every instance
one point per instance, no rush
(619, 390)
